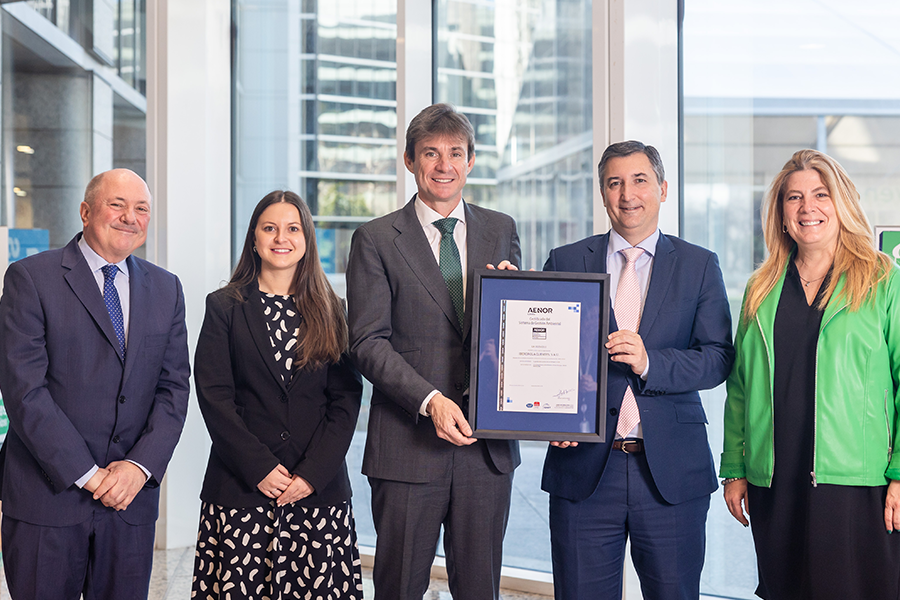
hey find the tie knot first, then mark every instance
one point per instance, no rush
(632, 254)
(445, 226)
(109, 272)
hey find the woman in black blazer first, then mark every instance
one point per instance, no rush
(280, 400)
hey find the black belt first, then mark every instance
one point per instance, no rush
(629, 446)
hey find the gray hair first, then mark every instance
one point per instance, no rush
(623, 149)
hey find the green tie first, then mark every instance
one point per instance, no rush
(451, 267)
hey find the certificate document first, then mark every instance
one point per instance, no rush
(538, 356)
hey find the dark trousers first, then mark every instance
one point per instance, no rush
(472, 504)
(668, 541)
(103, 558)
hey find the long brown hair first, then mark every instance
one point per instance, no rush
(855, 256)
(323, 328)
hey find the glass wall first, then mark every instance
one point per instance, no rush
(315, 112)
(762, 80)
(66, 115)
(521, 71)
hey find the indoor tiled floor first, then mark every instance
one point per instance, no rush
(172, 570)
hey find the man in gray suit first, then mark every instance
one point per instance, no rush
(410, 322)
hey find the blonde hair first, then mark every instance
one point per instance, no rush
(855, 257)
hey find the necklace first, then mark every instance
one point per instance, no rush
(806, 282)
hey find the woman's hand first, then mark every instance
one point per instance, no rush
(736, 500)
(892, 507)
(275, 482)
(298, 490)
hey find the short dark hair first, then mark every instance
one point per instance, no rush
(439, 120)
(623, 149)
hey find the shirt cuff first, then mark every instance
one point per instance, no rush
(141, 467)
(646, 369)
(80, 482)
(423, 409)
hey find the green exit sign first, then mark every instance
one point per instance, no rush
(889, 241)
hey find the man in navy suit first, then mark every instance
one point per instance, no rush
(651, 480)
(94, 373)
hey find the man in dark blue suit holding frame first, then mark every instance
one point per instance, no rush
(94, 373)
(670, 337)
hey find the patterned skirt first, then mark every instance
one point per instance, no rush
(277, 553)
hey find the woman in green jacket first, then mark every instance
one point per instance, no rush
(811, 414)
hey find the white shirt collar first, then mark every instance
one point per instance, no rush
(617, 243)
(427, 215)
(95, 261)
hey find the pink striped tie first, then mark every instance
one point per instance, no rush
(628, 316)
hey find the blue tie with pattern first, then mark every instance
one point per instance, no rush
(113, 305)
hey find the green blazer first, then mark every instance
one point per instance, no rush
(857, 397)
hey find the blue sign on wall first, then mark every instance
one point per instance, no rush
(327, 250)
(25, 242)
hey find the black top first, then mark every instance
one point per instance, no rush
(796, 335)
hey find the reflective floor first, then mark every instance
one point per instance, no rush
(173, 570)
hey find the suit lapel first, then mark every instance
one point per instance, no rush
(139, 312)
(660, 278)
(413, 246)
(256, 323)
(83, 284)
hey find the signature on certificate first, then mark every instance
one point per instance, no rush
(563, 394)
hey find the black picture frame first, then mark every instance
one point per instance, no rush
(590, 292)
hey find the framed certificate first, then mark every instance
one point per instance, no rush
(538, 368)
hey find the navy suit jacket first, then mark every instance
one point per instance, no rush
(686, 329)
(72, 402)
(406, 339)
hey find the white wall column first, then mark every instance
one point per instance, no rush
(188, 170)
(414, 79)
(639, 55)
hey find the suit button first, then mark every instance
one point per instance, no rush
(283, 398)
(614, 411)
(458, 386)
(121, 399)
(285, 435)
(116, 440)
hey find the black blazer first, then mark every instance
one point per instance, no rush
(256, 421)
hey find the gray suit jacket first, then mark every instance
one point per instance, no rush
(405, 337)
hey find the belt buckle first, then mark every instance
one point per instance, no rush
(625, 444)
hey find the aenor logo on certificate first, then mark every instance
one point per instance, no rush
(538, 356)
